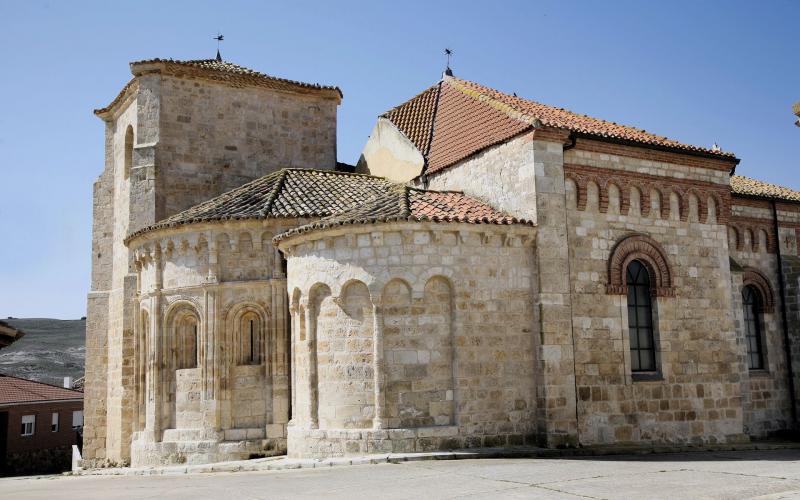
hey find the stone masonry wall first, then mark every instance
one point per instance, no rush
(214, 138)
(370, 378)
(696, 394)
(221, 274)
(502, 175)
(766, 398)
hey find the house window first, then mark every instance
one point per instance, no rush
(54, 422)
(250, 340)
(28, 425)
(752, 328)
(77, 420)
(640, 319)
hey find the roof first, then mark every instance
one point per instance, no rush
(9, 334)
(405, 203)
(467, 117)
(20, 390)
(287, 193)
(746, 186)
(221, 71)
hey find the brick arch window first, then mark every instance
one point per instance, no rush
(649, 254)
(755, 279)
(751, 302)
(640, 318)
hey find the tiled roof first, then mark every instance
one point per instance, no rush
(415, 117)
(470, 117)
(291, 192)
(752, 187)
(19, 390)
(222, 71)
(404, 203)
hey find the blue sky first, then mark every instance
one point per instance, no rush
(695, 71)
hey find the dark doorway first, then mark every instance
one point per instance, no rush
(3, 440)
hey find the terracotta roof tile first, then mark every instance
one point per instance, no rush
(291, 192)
(19, 390)
(404, 203)
(752, 187)
(414, 118)
(222, 71)
(470, 117)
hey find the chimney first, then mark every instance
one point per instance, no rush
(67, 382)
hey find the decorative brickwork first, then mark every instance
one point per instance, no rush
(646, 250)
(694, 197)
(754, 277)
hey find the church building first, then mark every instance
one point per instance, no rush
(493, 272)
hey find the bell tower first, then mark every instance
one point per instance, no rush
(179, 133)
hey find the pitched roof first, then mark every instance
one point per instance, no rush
(751, 187)
(20, 390)
(404, 203)
(470, 117)
(291, 192)
(221, 71)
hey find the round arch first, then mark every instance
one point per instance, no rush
(646, 250)
(754, 278)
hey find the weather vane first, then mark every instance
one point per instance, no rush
(220, 37)
(448, 53)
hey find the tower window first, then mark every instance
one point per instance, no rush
(128, 160)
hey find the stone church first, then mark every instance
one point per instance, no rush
(493, 272)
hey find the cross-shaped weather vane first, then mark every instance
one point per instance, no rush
(448, 53)
(220, 37)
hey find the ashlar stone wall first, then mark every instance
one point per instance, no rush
(222, 392)
(674, 216)
(215, 138)
(753, 245)
(411, 337)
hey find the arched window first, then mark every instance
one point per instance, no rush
(128, 152)
(752, 328)
(186, 342)
(251, 340)
(640, 318)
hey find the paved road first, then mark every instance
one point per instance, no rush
(761, 474)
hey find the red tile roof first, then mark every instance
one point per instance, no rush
(752, 187)
(20, 390)
(470, 117)
(403, 203)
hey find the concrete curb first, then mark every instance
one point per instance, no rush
(284, 463)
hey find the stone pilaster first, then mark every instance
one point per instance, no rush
(557, 416)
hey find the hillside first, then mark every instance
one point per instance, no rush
(50, 350)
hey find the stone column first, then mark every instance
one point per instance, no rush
(295, 318)
(154, 366)
(313, 382)
(379, 420)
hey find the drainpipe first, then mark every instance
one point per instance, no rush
(784, 321)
